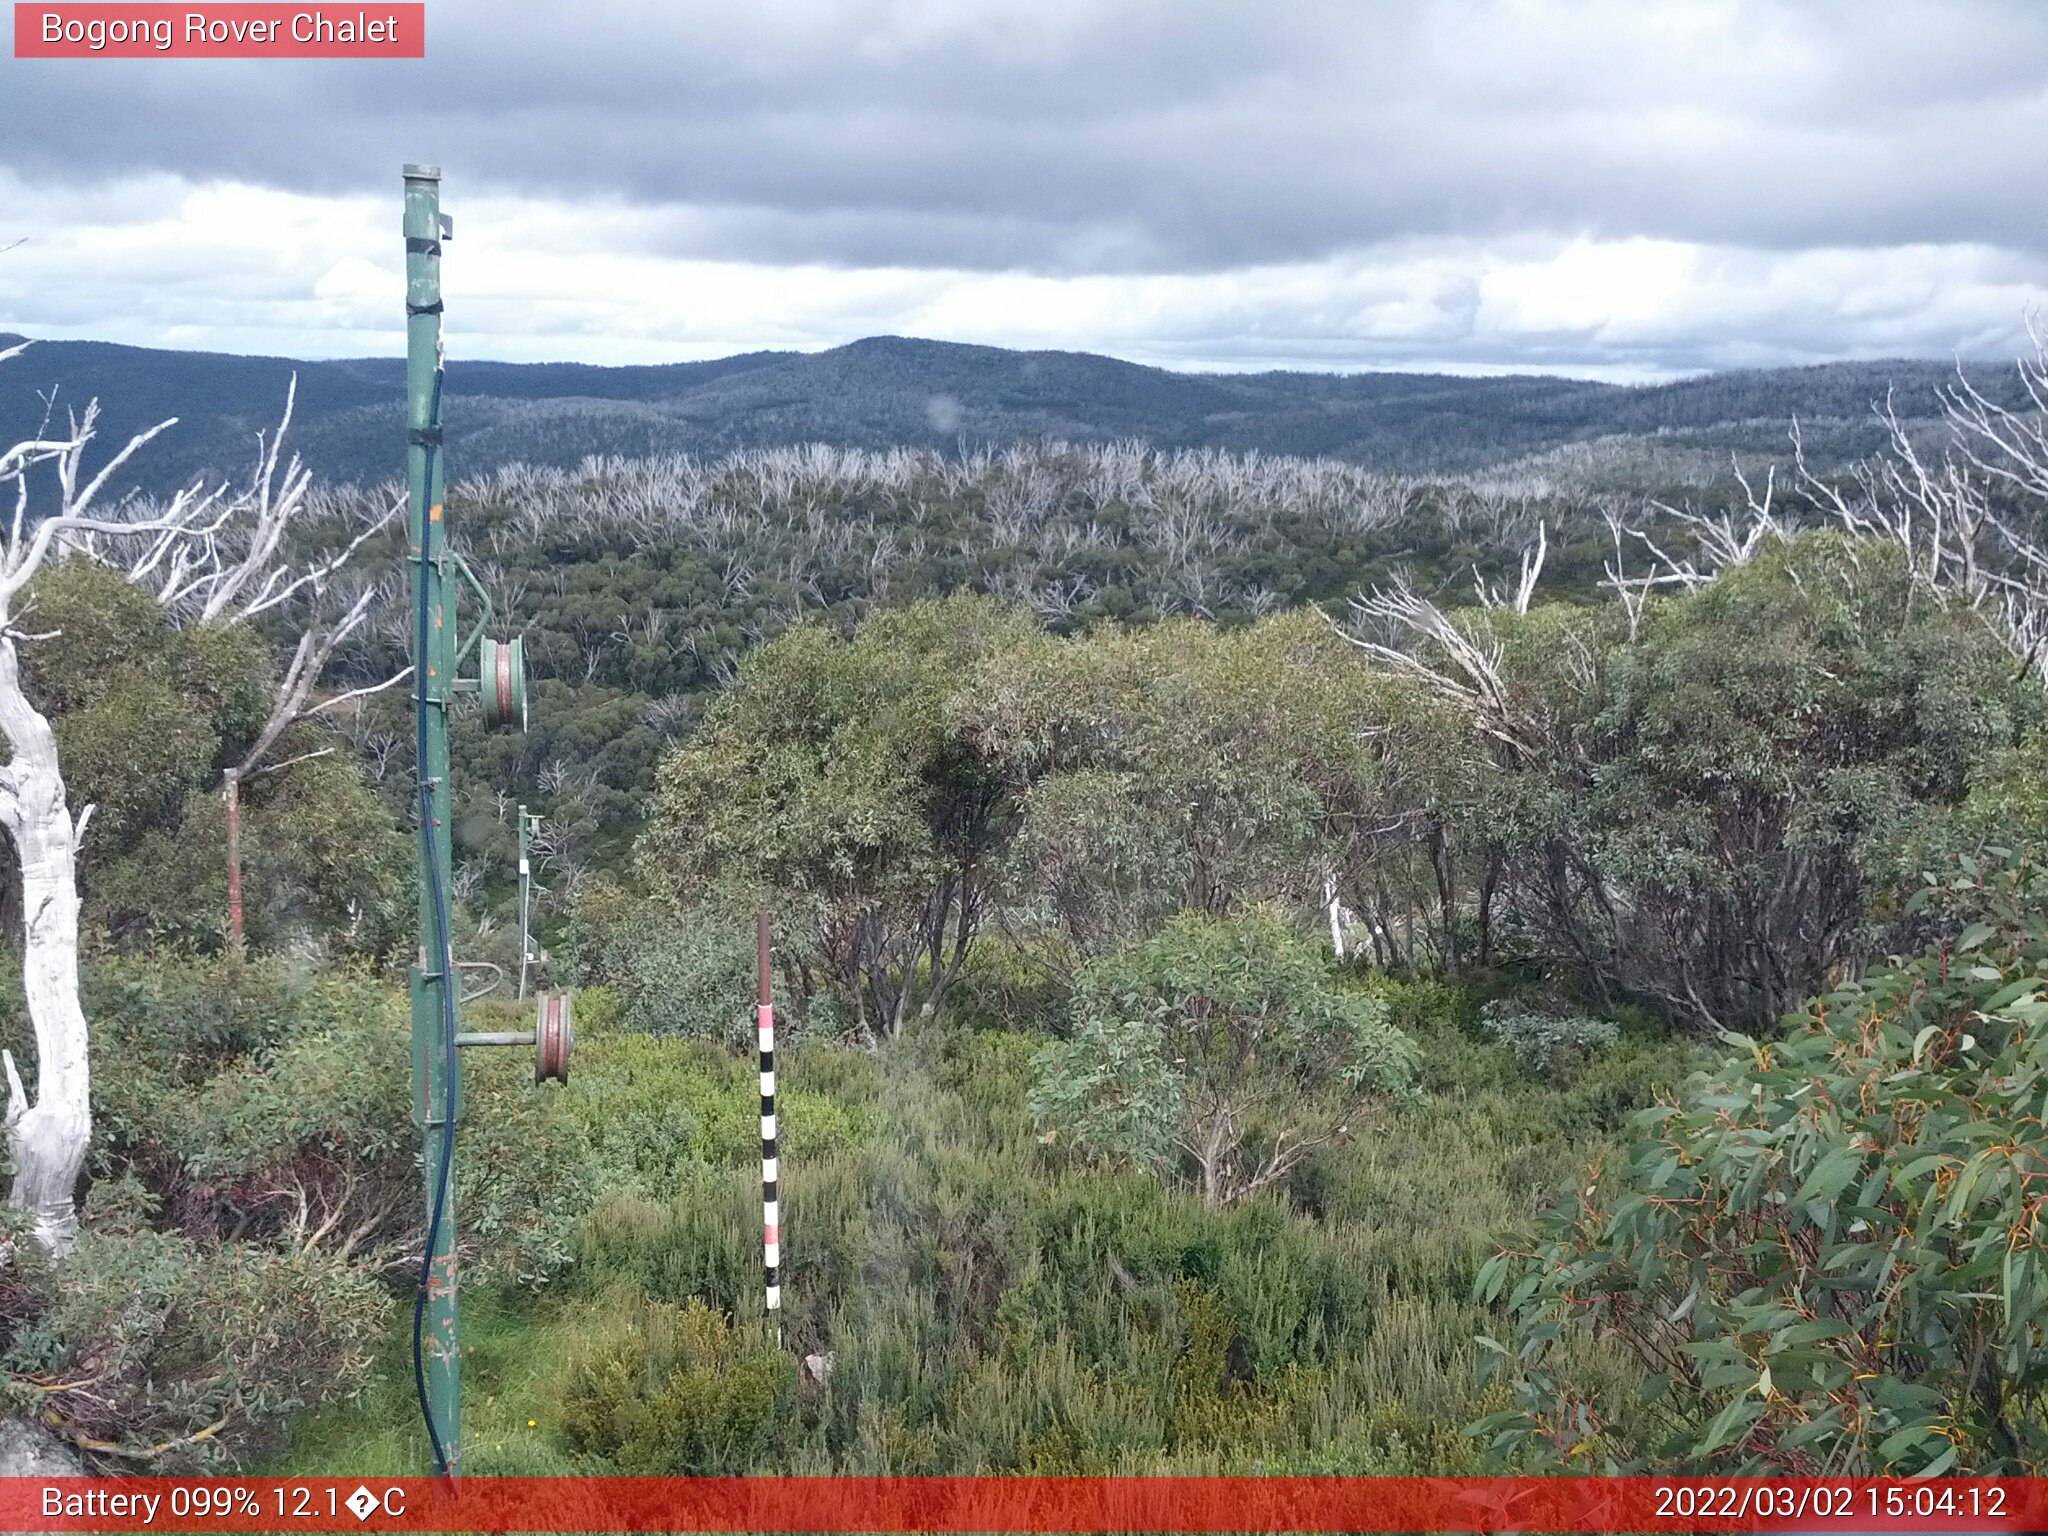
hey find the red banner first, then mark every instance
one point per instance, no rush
(372, 30)
(1025, 1504)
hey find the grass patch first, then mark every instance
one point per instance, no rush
(992, 1306)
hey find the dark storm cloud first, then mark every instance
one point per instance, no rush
(1147, 135)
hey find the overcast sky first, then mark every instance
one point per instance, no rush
(1614, 188)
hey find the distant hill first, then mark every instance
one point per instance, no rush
(890, 390)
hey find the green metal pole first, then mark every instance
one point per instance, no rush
(436, 1072)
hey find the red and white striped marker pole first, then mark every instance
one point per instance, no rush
(771, 1210)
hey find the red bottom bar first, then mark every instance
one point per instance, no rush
(1025, 1504)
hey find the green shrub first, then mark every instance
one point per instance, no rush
(692, 976)
(650, 1107)
(254, 1100)
(598, 1014)
(176, 1020)
(592, 949)
(261, 1102)
(148, 714)
(701, 1240)
(676, 1391)
(992, 1305)
(1006, 985)
(692, 973)
(525, 1173)
(2007, 806)
(1826, 1250)
(169, 1354)
(1420, 1004)
(1220, 1043)
(835, 779)
(688, 972)
(1547, 1042)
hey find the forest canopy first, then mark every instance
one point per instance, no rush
(1219, 905)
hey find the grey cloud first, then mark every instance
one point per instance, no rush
(1143, 136)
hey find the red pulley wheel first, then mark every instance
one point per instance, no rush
(554, 1033)
(504, 681)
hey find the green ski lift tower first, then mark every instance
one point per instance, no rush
(439, 654)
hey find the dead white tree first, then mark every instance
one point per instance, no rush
(237, 569)
(48, 1136)
(1491, 596)
(1972, 522)
(180, 550)
(1460, 658)
(1460, 662)
(292, 701)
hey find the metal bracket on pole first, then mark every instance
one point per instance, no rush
(552, 1037)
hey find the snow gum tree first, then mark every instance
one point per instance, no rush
(211, 553)
(1219, 1047)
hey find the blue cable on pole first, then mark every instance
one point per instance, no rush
(444, 953)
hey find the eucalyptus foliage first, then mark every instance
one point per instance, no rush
(147, 713)
(1177, 767)
(1704, 802)
(671, 972)
(1828, 1251)
(832, 780)
(1547, 1041)
(1219, 1045)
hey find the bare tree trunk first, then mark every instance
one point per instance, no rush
(1447, 898)
(897, 1014)
(48, 1139)
(1210, 1157)
(189, 569)
(1489, 883)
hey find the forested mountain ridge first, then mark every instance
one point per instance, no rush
(892, 391)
